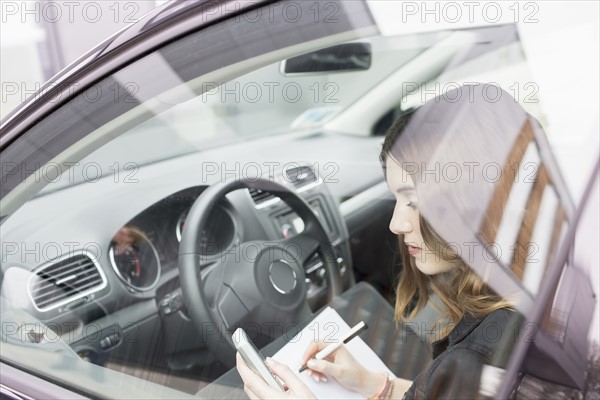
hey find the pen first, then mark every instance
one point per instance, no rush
(358, 328)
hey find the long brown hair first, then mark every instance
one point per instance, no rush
(466, 126)
(460, 290)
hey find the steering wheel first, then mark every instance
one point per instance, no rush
(258, 285)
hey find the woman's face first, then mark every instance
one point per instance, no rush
(405, 221)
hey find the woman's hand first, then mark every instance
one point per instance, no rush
(344, 368)
(256, 388)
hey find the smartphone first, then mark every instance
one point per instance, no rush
(254, 359)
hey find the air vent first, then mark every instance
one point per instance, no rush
(301, 176)
(262, 198)
(59, 283)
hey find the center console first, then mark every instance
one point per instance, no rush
(280, 222)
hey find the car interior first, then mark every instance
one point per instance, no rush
(188, 168)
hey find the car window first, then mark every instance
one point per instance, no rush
(99, 195)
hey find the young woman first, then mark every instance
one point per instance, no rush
(435, 205)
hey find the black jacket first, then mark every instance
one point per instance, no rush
(458, 359)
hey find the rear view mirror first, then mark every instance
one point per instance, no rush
(340, 58)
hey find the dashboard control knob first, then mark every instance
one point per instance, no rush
(321, 273)
(286, 230)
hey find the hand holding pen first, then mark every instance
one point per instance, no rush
(333, 359)
(329, 349)
(340, 365)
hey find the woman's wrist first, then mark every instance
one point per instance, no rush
(374, 383)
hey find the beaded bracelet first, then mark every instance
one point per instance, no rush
(386, 392)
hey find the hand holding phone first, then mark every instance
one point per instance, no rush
(254, 359)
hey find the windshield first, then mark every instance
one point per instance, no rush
(260, 103)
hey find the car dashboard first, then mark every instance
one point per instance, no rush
(107, 283)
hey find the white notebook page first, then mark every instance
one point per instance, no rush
(328, 327)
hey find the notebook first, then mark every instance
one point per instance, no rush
(329, 327)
